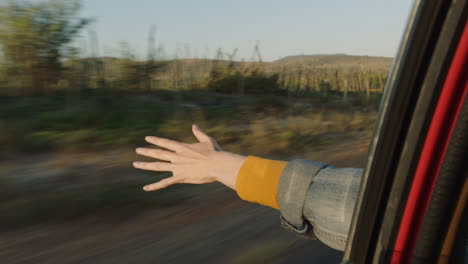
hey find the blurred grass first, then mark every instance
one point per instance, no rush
(94, 121)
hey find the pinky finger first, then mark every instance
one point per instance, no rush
(161, 184)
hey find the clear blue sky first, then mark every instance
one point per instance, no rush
(283, 27)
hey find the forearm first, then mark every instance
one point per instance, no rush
(254, 179)
(258, 180)
(316, 200)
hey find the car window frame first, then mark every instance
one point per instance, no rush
(407, 105)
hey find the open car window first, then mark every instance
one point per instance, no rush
(82, 83)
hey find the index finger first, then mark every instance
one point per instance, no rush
(166, 143)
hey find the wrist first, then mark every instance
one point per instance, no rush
(226, 168)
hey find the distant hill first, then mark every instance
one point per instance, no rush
(336, 61)
(299, 64)
(318, 61)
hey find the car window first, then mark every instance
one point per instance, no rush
(82, 83)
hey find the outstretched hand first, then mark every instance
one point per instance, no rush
(196, 163)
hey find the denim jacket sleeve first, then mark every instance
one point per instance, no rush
(317, 200)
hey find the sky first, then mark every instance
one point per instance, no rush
(198, 28)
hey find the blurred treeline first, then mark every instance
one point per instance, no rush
(38, 56)
(56, 96)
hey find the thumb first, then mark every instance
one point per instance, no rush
(200, 135)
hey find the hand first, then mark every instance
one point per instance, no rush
(197, 163)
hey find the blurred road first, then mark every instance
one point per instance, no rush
(213, 227)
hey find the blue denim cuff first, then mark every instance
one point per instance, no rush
(293, 186)
(305, 230)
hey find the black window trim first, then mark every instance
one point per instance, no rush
(413, 85)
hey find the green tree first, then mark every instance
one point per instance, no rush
(33, 40)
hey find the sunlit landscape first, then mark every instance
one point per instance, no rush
(71, 118)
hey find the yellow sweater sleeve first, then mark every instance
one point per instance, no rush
(258, 179)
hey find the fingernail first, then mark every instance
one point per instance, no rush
(150, 138)
(138, 150)
(136, 163)
(147, 188)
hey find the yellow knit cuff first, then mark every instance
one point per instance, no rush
(258, 179)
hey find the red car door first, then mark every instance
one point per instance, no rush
(414, 176)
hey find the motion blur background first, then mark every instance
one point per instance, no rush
(83, 82)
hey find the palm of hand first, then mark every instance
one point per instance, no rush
(189, 163)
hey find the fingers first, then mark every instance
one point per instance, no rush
(200, 135)
(162, 184)
(154, 166)
(157, 154)
(166, 143)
